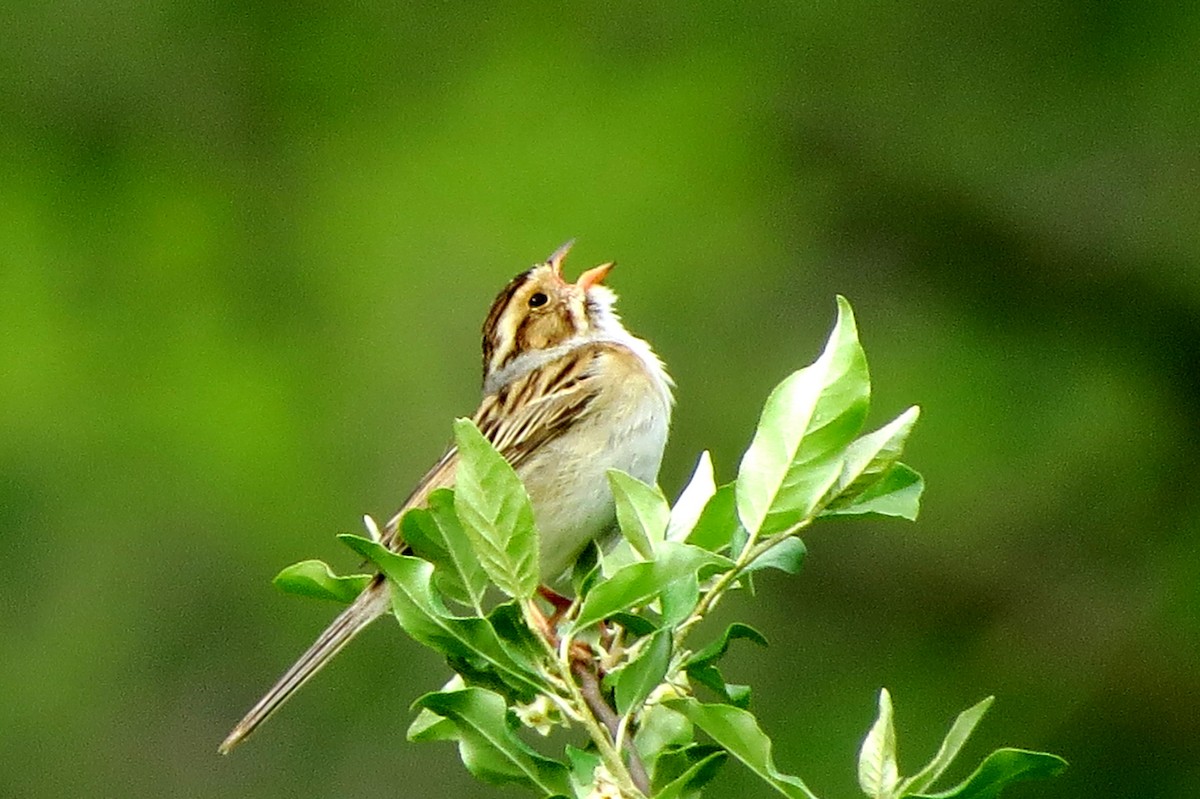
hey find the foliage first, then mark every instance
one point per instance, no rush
(620, 663)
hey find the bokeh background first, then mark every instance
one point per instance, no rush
(245, 249)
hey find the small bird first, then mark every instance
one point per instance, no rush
(568, 393)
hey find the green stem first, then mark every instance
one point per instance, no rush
(750, 552)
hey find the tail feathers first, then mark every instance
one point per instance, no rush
(372, 603)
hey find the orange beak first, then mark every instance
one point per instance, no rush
(593, 276)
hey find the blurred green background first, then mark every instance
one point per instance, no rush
(245, 249)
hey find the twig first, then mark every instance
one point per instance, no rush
(599, 733)
(750, 552)
(590, 689)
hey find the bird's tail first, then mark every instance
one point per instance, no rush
(372, 603)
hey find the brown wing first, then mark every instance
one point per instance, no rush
(518, 419)
(527, 413)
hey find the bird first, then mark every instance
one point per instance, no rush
(568, 393)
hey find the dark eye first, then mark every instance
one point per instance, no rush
(538, 300)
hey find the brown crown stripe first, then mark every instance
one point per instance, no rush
(491, 337)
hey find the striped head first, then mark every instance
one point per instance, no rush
(539, 310)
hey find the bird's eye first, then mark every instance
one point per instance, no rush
(538, 300)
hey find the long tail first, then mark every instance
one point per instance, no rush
(372, 603)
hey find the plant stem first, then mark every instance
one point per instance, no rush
(750, 552)
(590, 689)
(588, 713)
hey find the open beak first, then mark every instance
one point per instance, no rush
(560, 255)
(594, 276)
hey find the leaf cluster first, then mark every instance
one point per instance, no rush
(617, 662)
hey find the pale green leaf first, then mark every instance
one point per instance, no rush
(640, 583)
(617, 557)
(878, 774)
(435, 534)
(739, 695)
(951, 744)
(661, 728)
(429, 726)
(495, 513)
(697, 775)
(787, 555)
(868, 457)
(718, 520)
(999, 770)
(644, 673)
(896, 493)
(583, 770)
(738, 732)
(796, 454)
(470, 641)
(642, 512)
(695, 495)
(487, 745)
(678, 599)
(314, 578)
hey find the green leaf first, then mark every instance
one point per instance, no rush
(787, 555)
(717, 649)
(583, 770)
(642, 512)
(495, 513)
(796, 454)
(661, 728)
(878, 774)
(702, 668)
(738, 732)
(999, 770)
(435, 534)
(487, 745)
(868, 457)
(692, 500)
(739, 695)
(429, 726)
(718, 521)
(698, 774)
(951, 744)
(635, 625)
(729, 693)
(470, 641)
(586, 570)
(897, 493)
(522, 644)
(617, 557)
(640, 583)
(314, 578)
(643, 674)
(738, 541)
(711, 678)
(679, 599)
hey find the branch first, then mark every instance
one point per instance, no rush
(592, 712)
(590, 689)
